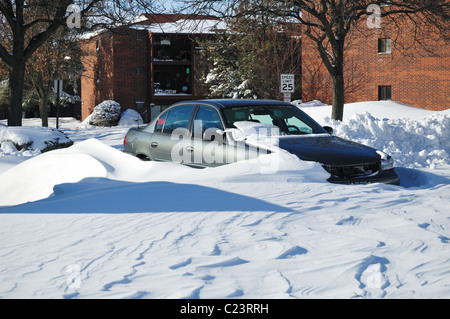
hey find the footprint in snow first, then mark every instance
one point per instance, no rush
(371, 276)
(226, 263)
(291, 252)
(349, 221)
(182, 264)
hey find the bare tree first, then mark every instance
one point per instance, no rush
(59, 58)
(328, 23)
(23, 31)
(250, 53)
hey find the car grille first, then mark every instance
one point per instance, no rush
(346, 171)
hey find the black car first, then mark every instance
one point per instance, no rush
(209, 133)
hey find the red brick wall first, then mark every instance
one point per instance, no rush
(87, 79)
(104, 78)
(418, 77)
(111, 61)
(97, 80)
(130, 54)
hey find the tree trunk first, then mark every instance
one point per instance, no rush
(335, 65)
(45, 89)
(16, 83)
(43, 110)
(338, 97)
(17, 69)
(337, 76)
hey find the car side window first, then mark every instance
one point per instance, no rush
(206, 118)
(295, 125)
(177, 117)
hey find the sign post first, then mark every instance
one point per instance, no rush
(58, 90)
(287, 97)
(287, 86)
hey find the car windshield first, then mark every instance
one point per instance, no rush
(289, 120)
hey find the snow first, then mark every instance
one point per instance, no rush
(130, 117)
(186, 26)
(416, 138)
(253, 130)
(412, 143)
(183, 26)
(89, 221)
(31, 140)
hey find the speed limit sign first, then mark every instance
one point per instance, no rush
(287, 83)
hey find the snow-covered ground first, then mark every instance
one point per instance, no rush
(92, 222)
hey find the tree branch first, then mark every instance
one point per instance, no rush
(8, 12)
(5, 56)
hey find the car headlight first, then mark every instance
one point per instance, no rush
(387, 162)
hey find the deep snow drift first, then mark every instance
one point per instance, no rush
(92, 222)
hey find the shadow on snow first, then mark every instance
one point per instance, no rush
(106, 196)
(413, 178)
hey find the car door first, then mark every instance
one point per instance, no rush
(206, 145)
(167, 142)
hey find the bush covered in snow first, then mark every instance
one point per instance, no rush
(30, 141)
(106, 113)
(131, 117)
(65, 99)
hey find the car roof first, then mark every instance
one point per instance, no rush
(228, 103)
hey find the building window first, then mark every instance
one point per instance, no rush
(171, 49)
(172, 79)
(140, 71)
(140, 36)
(384, 93)
(384, 45)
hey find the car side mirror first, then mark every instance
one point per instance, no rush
(328, 129)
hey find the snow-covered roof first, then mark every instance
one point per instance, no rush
(170, 23)
(186, 26)
(91, 34)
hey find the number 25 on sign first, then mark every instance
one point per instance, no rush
(287, 83)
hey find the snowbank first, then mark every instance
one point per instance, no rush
(414, 137)
(312, 103)
(30, 141)
(130, 118)
(412, 143)
(378, 109)
(93, 159)
(110, 226)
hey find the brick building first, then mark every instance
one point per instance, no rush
(383, 64)
(152, 63)
(156, 62)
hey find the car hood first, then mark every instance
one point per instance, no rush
(328, 150)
